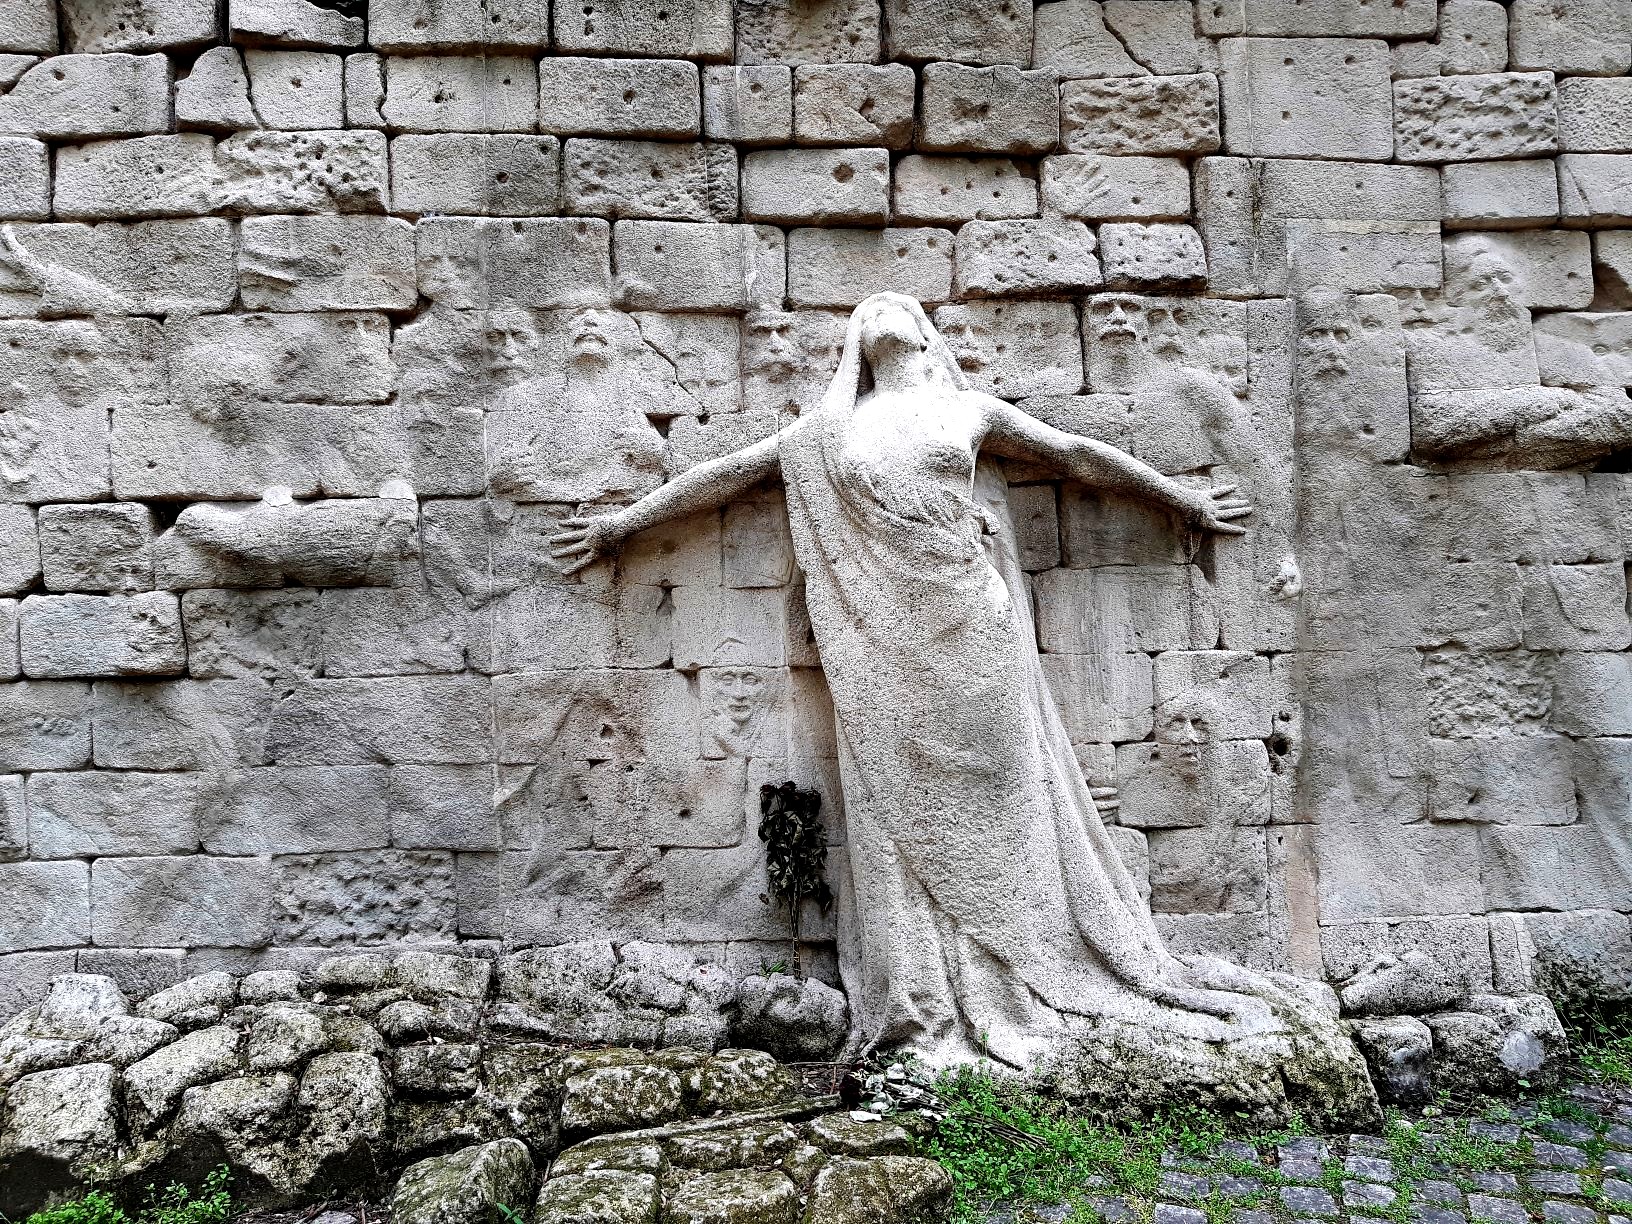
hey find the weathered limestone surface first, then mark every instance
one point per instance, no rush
(317, 321)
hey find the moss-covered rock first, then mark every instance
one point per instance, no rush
(468, 1187)
(883, 1190)
(605, 1196)
(620, 1098)
(742, 1196)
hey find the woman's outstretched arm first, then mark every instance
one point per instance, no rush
(704, 487)
(1019, 436)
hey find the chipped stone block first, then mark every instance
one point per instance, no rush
(824, 185)
(1592, 694)
(657, 180)
(141, 25)
(293, 23)
(950, 189)
(481, 175)
(45, 725)
(285, 810)
(1595, 188)
(748, 104)
(1472, 37)
(19, 548)
(1338, 17)
(365, 89)
(1198, 871)
(1116, 188)
(840, 267)
(1121, 608)
(443, 807)
(1575, 36)
(988, 110)
(1370, 871)
(854, 104)
(155, 176)
(29, 26)
(102, 635)
(1102, 699)
(415, 25)
(296, 90)
(185, 901)
(1555, 868)
(1612, 264)
(1015, 348)
(920, 30)
(214, 96)
(1071, 37)
(104, 547)
(1413, 965)
(1140, 115)
(470, 262)
(452, 93)
(1474, 118)
(1583, 350)
(25, 179)
(689, 29)
(48, 905)
(68, 97)
(1307, 97)
(252, 633)
(1139, 256)
(86, 815)
(615, 97)
(1595, 115)
(326, 263)
(1500, 194)
(671, 265)
(107, 269)
(808, 32)
(1160, 35)
(181, 724)
(1502, 780)
(1049, 256)
(416, 720)
(1576, 607)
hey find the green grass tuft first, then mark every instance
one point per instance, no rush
(173, 1204)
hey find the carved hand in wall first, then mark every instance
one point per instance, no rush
(588, 539)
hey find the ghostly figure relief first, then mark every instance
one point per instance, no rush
(62, 292)
(786, 357)
(1476, 333)
(1225, 357)
(585, 434)
(734, 695)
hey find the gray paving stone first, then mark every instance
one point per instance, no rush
(1501, 1132)
(1495, 1183)
(1617, 1191)
(1239, 1187)
(1440, 1193)
(1568, 1213)
(1112, 1209)
(1569, 1132)
(1167, 1213)
(1501, 1210)
(1437, 1215)
(1308, 1201)
(1185, 1185)
(1306, 1148)
(1369, 1168)
(1555, 1183)
(1558, 1155)
(1301, 1169)
(1367, 1194)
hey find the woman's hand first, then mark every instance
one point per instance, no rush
(586, 540)
(1213, 510)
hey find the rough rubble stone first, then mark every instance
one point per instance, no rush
(467, 1187)
(904, 1188)
(603, 1196)
(1140, 115)
(60, 1126)
(1490, 115)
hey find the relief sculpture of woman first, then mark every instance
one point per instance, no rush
(989, 916)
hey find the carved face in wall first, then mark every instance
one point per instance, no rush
(509, 344)
(1117, 318)
(1487, 287)
(1226, 357)
(77, 365)
(1164, 325)
(1184, 727)
(963, 339)
(733, 694)
(1419, 308)
(449, 271)
(771, 352)
(592, 335)
(1326, 325)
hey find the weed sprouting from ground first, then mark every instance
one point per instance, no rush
(171, 1204)
(1601, 1036)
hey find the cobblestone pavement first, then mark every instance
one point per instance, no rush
(1563, 1160)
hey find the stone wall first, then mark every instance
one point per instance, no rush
(318, 320)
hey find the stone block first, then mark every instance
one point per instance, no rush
(1574, 36)
(430, 720)
(1384, 870)
(104, 547)
(102, 635)
(1116, 609)
(370, 897)
(1592, 694)
(296, 810)
(326, 263)
(151, 266)
(1014, 349)
(86, 815)
(13, 817)
(456, 93)
(1518, 779)
(829, 186)
(1579, 956)
(659, 180)
(1472, 37)
(18, 549)
(187, 901)
(25, 179)
(1210, 785)
(29, 26)
(214, 96)
(469, 263)
(44, 905)
(481, 175)
(1140, 115)
(1336, 17)
(1583, 350)
(854, 104)
(293, 23)
(216, 725)
(1595, 188)
(145, 25)
(690, 29)
(809, 32)
(748, 104)
(1576, 607)
(1307, 97)
(840, 267)
(45, 725)
(673, 265)
(380, 631)
(989, 110)
(1612, 264)
(1116, 188)
(1550, 269)
(1162, 255)
(365, 90)
(920, 30)
(952, 189)
(416, 25)
(1483, 117)
(1500, 194)
(1567, 867)
(1102, 698)
(1595, 115)
(618, 97)
(1411, 966)
(1025, 258)
(443, 807)
(77, 97)
(1072, 37)
(11, 666)
(296, 90)
(252, 633)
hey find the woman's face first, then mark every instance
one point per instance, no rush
(890, 324)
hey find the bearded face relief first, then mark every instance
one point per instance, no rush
(735, 698)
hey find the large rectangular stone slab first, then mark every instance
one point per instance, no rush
(1307, 97)
(80, 97)
(673, 29)
(1475, 118)
(613, 97)
(102, 635)
(478, 174)
(44, 905)
(658, 180)
(187, 901)
(87, 815)
(839, 267)
(150, 267)
(674, 265)
(450, 93)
